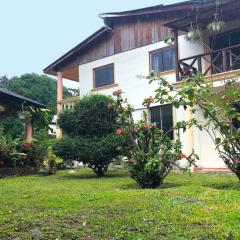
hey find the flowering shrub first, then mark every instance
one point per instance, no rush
(152, 154)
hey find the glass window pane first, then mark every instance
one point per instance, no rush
(157, 61)
(163, 60)
(169, 59)
(104, 76)
(162, 116)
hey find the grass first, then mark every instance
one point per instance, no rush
(76, 205)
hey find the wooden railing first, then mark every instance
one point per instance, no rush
(218, 61)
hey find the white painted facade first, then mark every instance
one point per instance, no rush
(133, 63)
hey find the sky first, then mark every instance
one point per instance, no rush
(34, 33)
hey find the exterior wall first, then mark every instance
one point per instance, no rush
(130, 64)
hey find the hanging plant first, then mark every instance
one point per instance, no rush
(193, 35)
(216, 26)
(168, 40)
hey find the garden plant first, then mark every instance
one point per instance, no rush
(88, 133)
(219, 108)
(152, 154)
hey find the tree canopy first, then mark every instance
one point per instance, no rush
(40, 88)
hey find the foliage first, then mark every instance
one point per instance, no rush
(89, 127)
(51, 162)
(40, 88)
(37, 87)
(15, 153)
(9, 156)
(153, 155)
(216, 26)
(220, 110)
(92, 116)
(95, 152)
(193, 35)
(74, 205)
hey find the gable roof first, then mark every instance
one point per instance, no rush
(153, 9)
(108, 17)
(53, 67)
(7, 96)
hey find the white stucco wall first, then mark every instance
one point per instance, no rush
(130, 64)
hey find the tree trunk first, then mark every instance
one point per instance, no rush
(99, 170)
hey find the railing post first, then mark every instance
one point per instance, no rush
(199, 64)
(224, 56)
(176, 55)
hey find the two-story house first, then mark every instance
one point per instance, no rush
(132, 43)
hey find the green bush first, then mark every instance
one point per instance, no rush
(95, 152)
(92, 116)
(89, 133)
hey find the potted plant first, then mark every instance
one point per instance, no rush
(193, 35)
(216, 26)
(168, 40)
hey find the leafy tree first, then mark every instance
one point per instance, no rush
(40, 88)
(89, 133)
(219, 108)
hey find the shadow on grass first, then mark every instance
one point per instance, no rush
(163, 186)
(79, 175)
(223, 186)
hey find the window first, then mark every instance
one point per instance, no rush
(163, 59)
(162, 116)
(103, 76)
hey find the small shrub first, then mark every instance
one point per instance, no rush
(52, 162)
(95, 152)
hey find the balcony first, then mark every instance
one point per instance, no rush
(214, 62)
(69, 102)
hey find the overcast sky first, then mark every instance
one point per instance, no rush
(34, 33)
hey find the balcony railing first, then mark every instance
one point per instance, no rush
(218, 61)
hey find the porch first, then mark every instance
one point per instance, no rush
(220, 49)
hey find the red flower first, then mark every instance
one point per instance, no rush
(151, 99)
(146, 126)
(24, 156)
(131, 160)
(181, 156)
(118, 92)
(1, 163)
(119, 132)
(109, 106)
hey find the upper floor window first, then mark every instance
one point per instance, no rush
(163, 59)
(103, 76)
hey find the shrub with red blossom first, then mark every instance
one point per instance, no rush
(152, 154)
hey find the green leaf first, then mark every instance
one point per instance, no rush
(218, 140)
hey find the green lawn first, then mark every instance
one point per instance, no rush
(79, 206)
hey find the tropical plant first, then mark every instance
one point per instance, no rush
(153, 154)
(51, 162)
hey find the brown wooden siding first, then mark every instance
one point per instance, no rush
(100, 49)
(126, 35)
